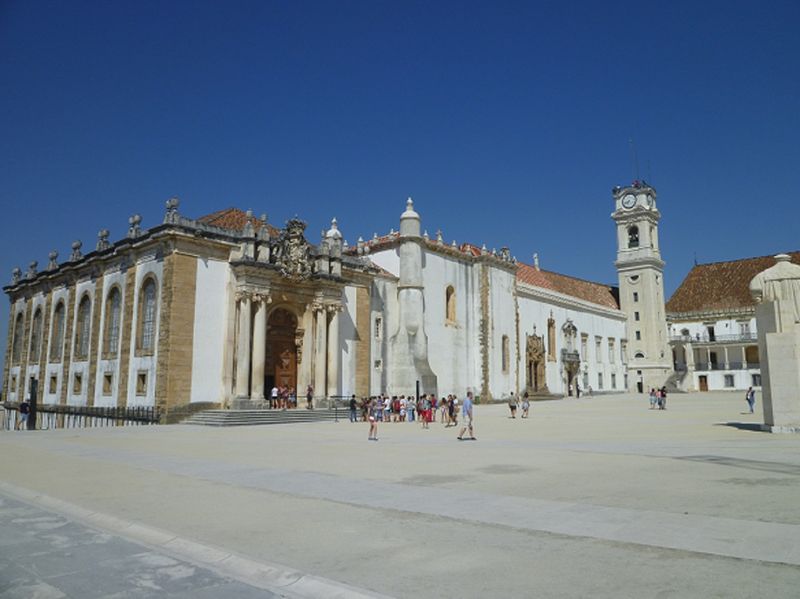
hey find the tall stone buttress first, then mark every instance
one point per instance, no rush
(409, 345)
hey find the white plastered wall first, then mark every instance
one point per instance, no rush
(77, 395)
(208, 346)
(32, 371)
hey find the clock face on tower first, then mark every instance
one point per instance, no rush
(628, 200)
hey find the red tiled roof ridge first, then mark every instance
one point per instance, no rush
(583, 289)
(720, 286)
(790, 253)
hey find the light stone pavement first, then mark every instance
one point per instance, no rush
(597, 497)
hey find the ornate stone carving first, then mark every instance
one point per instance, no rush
(52, 263)
(31, 270)
(291, 251)
(16, 274)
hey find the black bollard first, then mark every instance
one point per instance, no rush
(32, 401)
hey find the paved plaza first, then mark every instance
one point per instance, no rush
(589, 497)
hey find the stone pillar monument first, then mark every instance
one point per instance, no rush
(777, 293)
(409, 345)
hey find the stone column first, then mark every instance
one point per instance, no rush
(744, 357)
(259, 346)
(320, 350)
(725, 351)
(243, 347)
(333, 351)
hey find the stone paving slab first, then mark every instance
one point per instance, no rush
(46, 555)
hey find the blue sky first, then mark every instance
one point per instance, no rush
(507, 122)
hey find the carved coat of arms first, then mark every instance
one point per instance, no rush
(291, 252)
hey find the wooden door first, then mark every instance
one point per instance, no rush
(703, 380)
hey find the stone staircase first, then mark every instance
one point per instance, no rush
(257, 417)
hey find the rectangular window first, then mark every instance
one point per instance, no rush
(141, 382)
(756, 380)
(623, 350)
(378, 327)
(378, 364)
(77, 383)
(638, 335)
(584, 346)
(13, 383)
(710, 332)
(585, 380)
(636, 316)
(744, 329)
(598, 348)
(52, 386)
(613, 381)
(635, 296)
(729, 381)
(611, 351)
(599, 380)
(626, 381)
(108, 383)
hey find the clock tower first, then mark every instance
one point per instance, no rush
(641, 286)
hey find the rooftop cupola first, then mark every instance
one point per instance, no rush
(409, 221)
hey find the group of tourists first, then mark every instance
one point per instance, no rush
(425, 409)
(382, 408)
(658, 398)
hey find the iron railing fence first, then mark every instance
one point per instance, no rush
(50, 416)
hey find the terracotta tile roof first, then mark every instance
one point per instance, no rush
(720, 285)
(234, 219)
(596, 293)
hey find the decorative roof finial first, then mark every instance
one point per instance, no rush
(134, 230)
(16, 273)
(76, 251)
(32, 266)
(172, 211)
(52, 262)
(102, 240)
(536, 260)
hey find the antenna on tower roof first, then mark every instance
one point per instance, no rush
(695, 258)
(634, 160)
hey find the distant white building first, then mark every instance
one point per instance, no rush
(217, 310)
(712, 325)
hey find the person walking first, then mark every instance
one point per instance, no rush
(663, 401)
(526, 405)
(25, 410)
(376, 407)
(512, 405)
(310, 398)
(466, 414)
(353, 405)
(750, 396)
(653, 398)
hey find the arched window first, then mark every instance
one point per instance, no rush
(82, 328)
(633, 237)
(113, 313)
(639, 355)
(16, 348)
(147, 316)
(505, 359)
(450, 303)
(57, 340)
(36, 336)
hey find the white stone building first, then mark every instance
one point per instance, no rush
(215, 311)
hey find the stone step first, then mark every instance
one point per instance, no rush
(257, 417)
